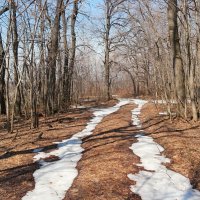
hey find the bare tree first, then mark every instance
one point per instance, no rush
(2, 78)
(2, 70)
(15, 43)
(52, 56)
(112, 20)
(176, 52)
(72, 52)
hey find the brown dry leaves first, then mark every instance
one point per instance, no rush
(16, 166)
(107, 161)
(180, 139)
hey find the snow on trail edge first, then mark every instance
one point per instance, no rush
(53, 179)
(156, 182)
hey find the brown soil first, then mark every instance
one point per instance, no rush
(181, 140)
(107, 160)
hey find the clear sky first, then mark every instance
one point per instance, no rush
(91, 8)
(85, 27)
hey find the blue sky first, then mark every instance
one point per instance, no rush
(90, 6)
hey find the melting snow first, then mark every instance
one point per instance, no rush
(53, 179)
(76, 106)
(158, 101)
(166, 113)
(156, 182)
(163, 113)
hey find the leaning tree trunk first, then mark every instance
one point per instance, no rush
(176, 52)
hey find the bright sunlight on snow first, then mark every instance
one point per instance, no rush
(53, 179)
(156, 182)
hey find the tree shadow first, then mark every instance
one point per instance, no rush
(27, 151)
(195, 176)
(18, 179)
(14, 172)
(122, 133)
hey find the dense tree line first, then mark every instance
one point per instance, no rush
(37, 63)
(47, 61)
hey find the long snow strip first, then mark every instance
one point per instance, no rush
(156, 182)
(53, 179)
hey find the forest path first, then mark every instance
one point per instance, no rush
(155, 181)
(54, 178)
(111, 158)
(107, 160)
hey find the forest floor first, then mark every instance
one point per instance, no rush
(107, 158)
(180, 139)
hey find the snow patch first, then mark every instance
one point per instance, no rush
(136, 112)
(53, 179)
(156, 182)
(78, 106)
(166, 113)
(164, 101)
(163, 113)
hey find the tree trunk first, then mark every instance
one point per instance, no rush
(176, 52)
(51, 61)
(72, 54)
(2, 78)
(191, 66)
(42, 66)
(2, 71)
(107, 51)
(66, 62)
(15, 54)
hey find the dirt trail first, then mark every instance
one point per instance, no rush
(107, 160)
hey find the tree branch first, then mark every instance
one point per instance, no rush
(3, 10)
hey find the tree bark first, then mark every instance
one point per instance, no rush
(72, 54)
(15, 54)
(2, 71)
(66, 61)
(107, 50)
(191, 65)
(2, 78)
(176, 52)
(51, 60)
